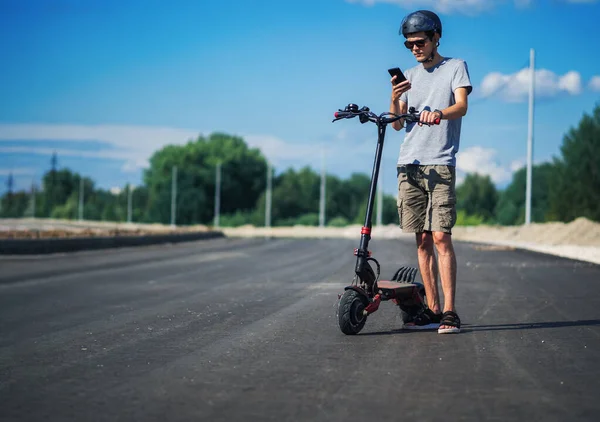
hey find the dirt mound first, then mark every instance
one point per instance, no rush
(582, 232)
(49, 228)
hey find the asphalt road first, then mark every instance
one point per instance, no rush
(245, 330)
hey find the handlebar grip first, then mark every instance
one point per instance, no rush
(437, 121)
(341, 114)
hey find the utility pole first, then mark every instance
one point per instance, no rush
(217, 194)
(81, 198)
(9, 197)
(173, 196)
(323, 187)
(10, 183)
(49, 191)
(129, 202)
(33, 198)
(268, 196)
(530, 137)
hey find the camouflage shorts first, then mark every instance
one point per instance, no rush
(426, 198)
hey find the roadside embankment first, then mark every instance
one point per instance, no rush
(579, 239)
(42, 236)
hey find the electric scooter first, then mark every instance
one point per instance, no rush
(367, 291)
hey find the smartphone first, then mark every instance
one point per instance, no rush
(398, 73)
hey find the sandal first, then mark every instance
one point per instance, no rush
(449, 319)
(425, 320)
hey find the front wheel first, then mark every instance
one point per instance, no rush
(350, 312)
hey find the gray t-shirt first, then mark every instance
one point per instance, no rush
(433, 89)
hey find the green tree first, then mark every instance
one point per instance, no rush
(389, 212)
(464, 219)
(477, 196)
(575, 187)
(57, 187)
(510, 209)
(348, 198)
(295, 193)
(243, 178)
(14, 204)
(68, 208)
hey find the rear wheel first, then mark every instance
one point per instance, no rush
(350, 312)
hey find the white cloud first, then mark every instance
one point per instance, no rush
(277, 150)
(468, 7)
(134, 137)
(594, 84)
(115, 190)
(136, 144)
(340, 153)
(516, 165)
(482, 160)
(443, 6)
(515, 87)
(132, 143)
(134, 161)
(571, 83)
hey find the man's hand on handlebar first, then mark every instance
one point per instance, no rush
(399, 89)
(429, 118)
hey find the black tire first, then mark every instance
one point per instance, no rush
(407, 312)
(350, 312)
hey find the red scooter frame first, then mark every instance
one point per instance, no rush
(366, 292)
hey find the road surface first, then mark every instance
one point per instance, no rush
(245, 330)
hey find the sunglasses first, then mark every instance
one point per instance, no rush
(419, 43)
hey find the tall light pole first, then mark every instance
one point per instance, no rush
(268, 196)
(217, 194)
(173, 196)
(323, 187)
(81, 192)
(33, 198)
(530, 137)
(129, 202)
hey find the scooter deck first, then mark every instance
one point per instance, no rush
(395, 290)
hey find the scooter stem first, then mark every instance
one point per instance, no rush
(366, 230)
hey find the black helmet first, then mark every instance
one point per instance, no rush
(421, 20)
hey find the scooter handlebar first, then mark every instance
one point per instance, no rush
(366, 115)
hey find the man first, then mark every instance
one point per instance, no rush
(437, 87)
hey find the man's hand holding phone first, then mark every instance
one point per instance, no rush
(399, 89)
(399, 82)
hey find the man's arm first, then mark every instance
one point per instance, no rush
(398, 107)
(459, 109)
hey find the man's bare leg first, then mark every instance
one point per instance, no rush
(447, 268)
(429, 269)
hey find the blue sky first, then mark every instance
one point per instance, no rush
(106, 83)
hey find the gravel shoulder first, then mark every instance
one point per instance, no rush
(579, 239)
